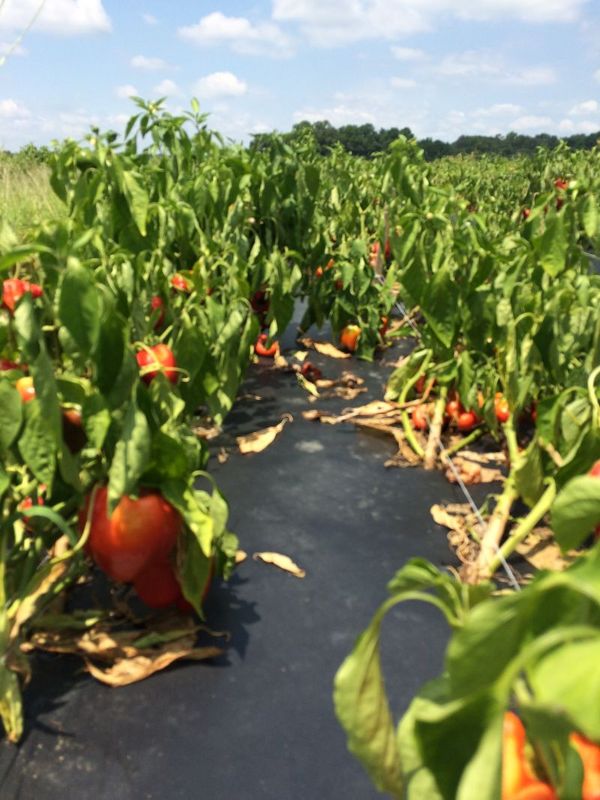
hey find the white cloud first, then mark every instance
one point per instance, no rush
(498, 110)
(568, 126)
(220, 84)
(533, 76)
(489, 66)
(167, 88)
(148, 63)
(586, 107)
(329, 23)
(10, 109)
(63, 17)
(340, 114)
(403, 83)
(127, 90)
(408, 53)
(149, 19)
(531, 122)
(264, 38)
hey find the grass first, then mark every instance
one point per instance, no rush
(26, 198)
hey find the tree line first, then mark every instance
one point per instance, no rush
(365, 140)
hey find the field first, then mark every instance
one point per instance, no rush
(144, 280)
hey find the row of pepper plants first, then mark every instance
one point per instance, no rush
(140, 311)
(508, 348)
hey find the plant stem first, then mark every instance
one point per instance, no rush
(473, 436)
(480, 570)
(436, 429)
(410, 435)
(525, 526)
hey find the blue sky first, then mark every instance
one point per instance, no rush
(442, 67)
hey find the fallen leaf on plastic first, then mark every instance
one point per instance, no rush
(312, 416)
(462, 526)
(280, 362)
(248, 397)
(542, 552)
(497, 457)
(300, 355)
(471, 473)
(283, 562)
(121, 657)
(131, 670)
(325, 348)
(240, 556)
(308, 386)
(348, 392)
(222, 455)
(259, 440)
(207, 433)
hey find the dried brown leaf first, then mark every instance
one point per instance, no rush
(471, 472)
(207, 433)
(350, 379)
(283, 562)
(325, 348)
(308, 386)
(542, 552)
(223, 455)
(348, 392)
(258, 441)
(131, 670)
(312, 416)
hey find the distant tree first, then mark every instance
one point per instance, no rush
(365, 141)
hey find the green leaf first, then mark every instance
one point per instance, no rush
(137, 199)
(460, 741)
(11, 414)
(553, 245)
(590, 216)
(194, 569)
(11, 708)
(440, 306)
(37, 445)
(79, 306)
(193, 507)
(4, 482)
(566, 678)
(131, 456)
(576, 511)
(529, 475)
(362, 708)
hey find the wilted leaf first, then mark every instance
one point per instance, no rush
(258, 441)
(207, 432)
(542, 552)
(136, 668)
(29, 605)
(223, 456)
(283, 562)
(462, 525)
(471, 472)
(325, 348)
(279, 362)
(308, 386)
